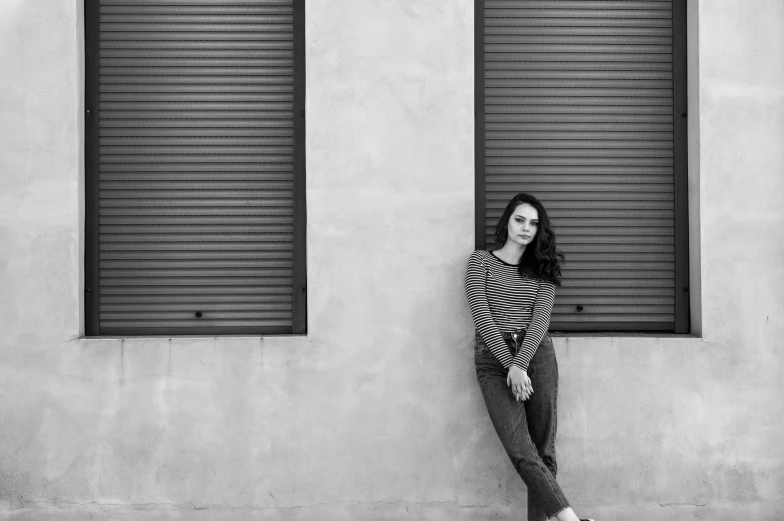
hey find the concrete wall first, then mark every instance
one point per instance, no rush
(376, 414)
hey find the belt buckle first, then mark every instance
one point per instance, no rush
(518, 337)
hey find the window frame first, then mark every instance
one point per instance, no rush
(91, 191)
(680, 159)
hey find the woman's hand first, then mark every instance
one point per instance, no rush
(518, 381)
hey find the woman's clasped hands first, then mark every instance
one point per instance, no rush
(518, 381)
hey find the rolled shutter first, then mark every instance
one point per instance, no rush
(195, 167)
(578, 110)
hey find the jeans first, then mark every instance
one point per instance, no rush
(526, 429)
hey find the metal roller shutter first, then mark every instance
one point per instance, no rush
(578, 109)
(195, 210)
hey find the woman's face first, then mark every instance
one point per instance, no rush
(523, 225)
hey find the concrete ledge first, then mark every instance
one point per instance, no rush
(404, 510)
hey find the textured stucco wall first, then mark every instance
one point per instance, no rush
(375, 414)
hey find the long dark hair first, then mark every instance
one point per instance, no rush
(541, 259)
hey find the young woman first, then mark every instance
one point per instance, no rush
(510, 292)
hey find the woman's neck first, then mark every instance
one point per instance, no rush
(511, 252)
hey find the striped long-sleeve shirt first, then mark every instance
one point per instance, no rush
(503, 301)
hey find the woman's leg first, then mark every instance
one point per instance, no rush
(511, 424)
(542, 411)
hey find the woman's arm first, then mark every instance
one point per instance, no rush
(540, 322)
(475, 283)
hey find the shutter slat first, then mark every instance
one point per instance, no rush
(212, 176)
(564, 91)
(191, 29)
(241, 85)
(187, 327)
(221, 10)
(118, 302)
(115, 13)
(557, 54)
(535, 162)
(624, 104)
(196, 148)
(185, 119)
(555, 11)
(274, 279)
(159, 274)
(633, 188)
(575, 151)
(579, 78)
(151, 231)
(185, 264)
(664, 38)
(660, 256)
(610, 294)
(207, 97)
(545, 170)
(578, 111)
(635, 179)
(190, 126)
(500, 67)
(225, 130)
(256, 255)
(606, 273)
(194, 203)
(612, 316)
(207, 246)
(499, 24)
(577, 49)
(222, 83)
(139, 22)
(182, 293)
(593, 5)
(618, 243)
(494, 34)
(632, 137)
(199, 54)
(509, 130)
(150, 144)
(190, 3)
(193, 220)
(196, 188)
(625, 86)
(161, 213)
(625, 249)
(195, 240)
(284, 109)
(175, 310)
(521, 110)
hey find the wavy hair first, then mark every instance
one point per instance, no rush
(541, 259)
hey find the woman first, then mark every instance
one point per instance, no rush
(510, 292)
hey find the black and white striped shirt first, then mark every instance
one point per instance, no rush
(503, 301)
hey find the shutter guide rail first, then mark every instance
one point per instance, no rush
(92, 160)
(680, 129)
(299, 290)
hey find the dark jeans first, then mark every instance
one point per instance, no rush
(526, 429)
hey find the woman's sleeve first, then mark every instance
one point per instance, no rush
(476, 283)
(540, 322)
